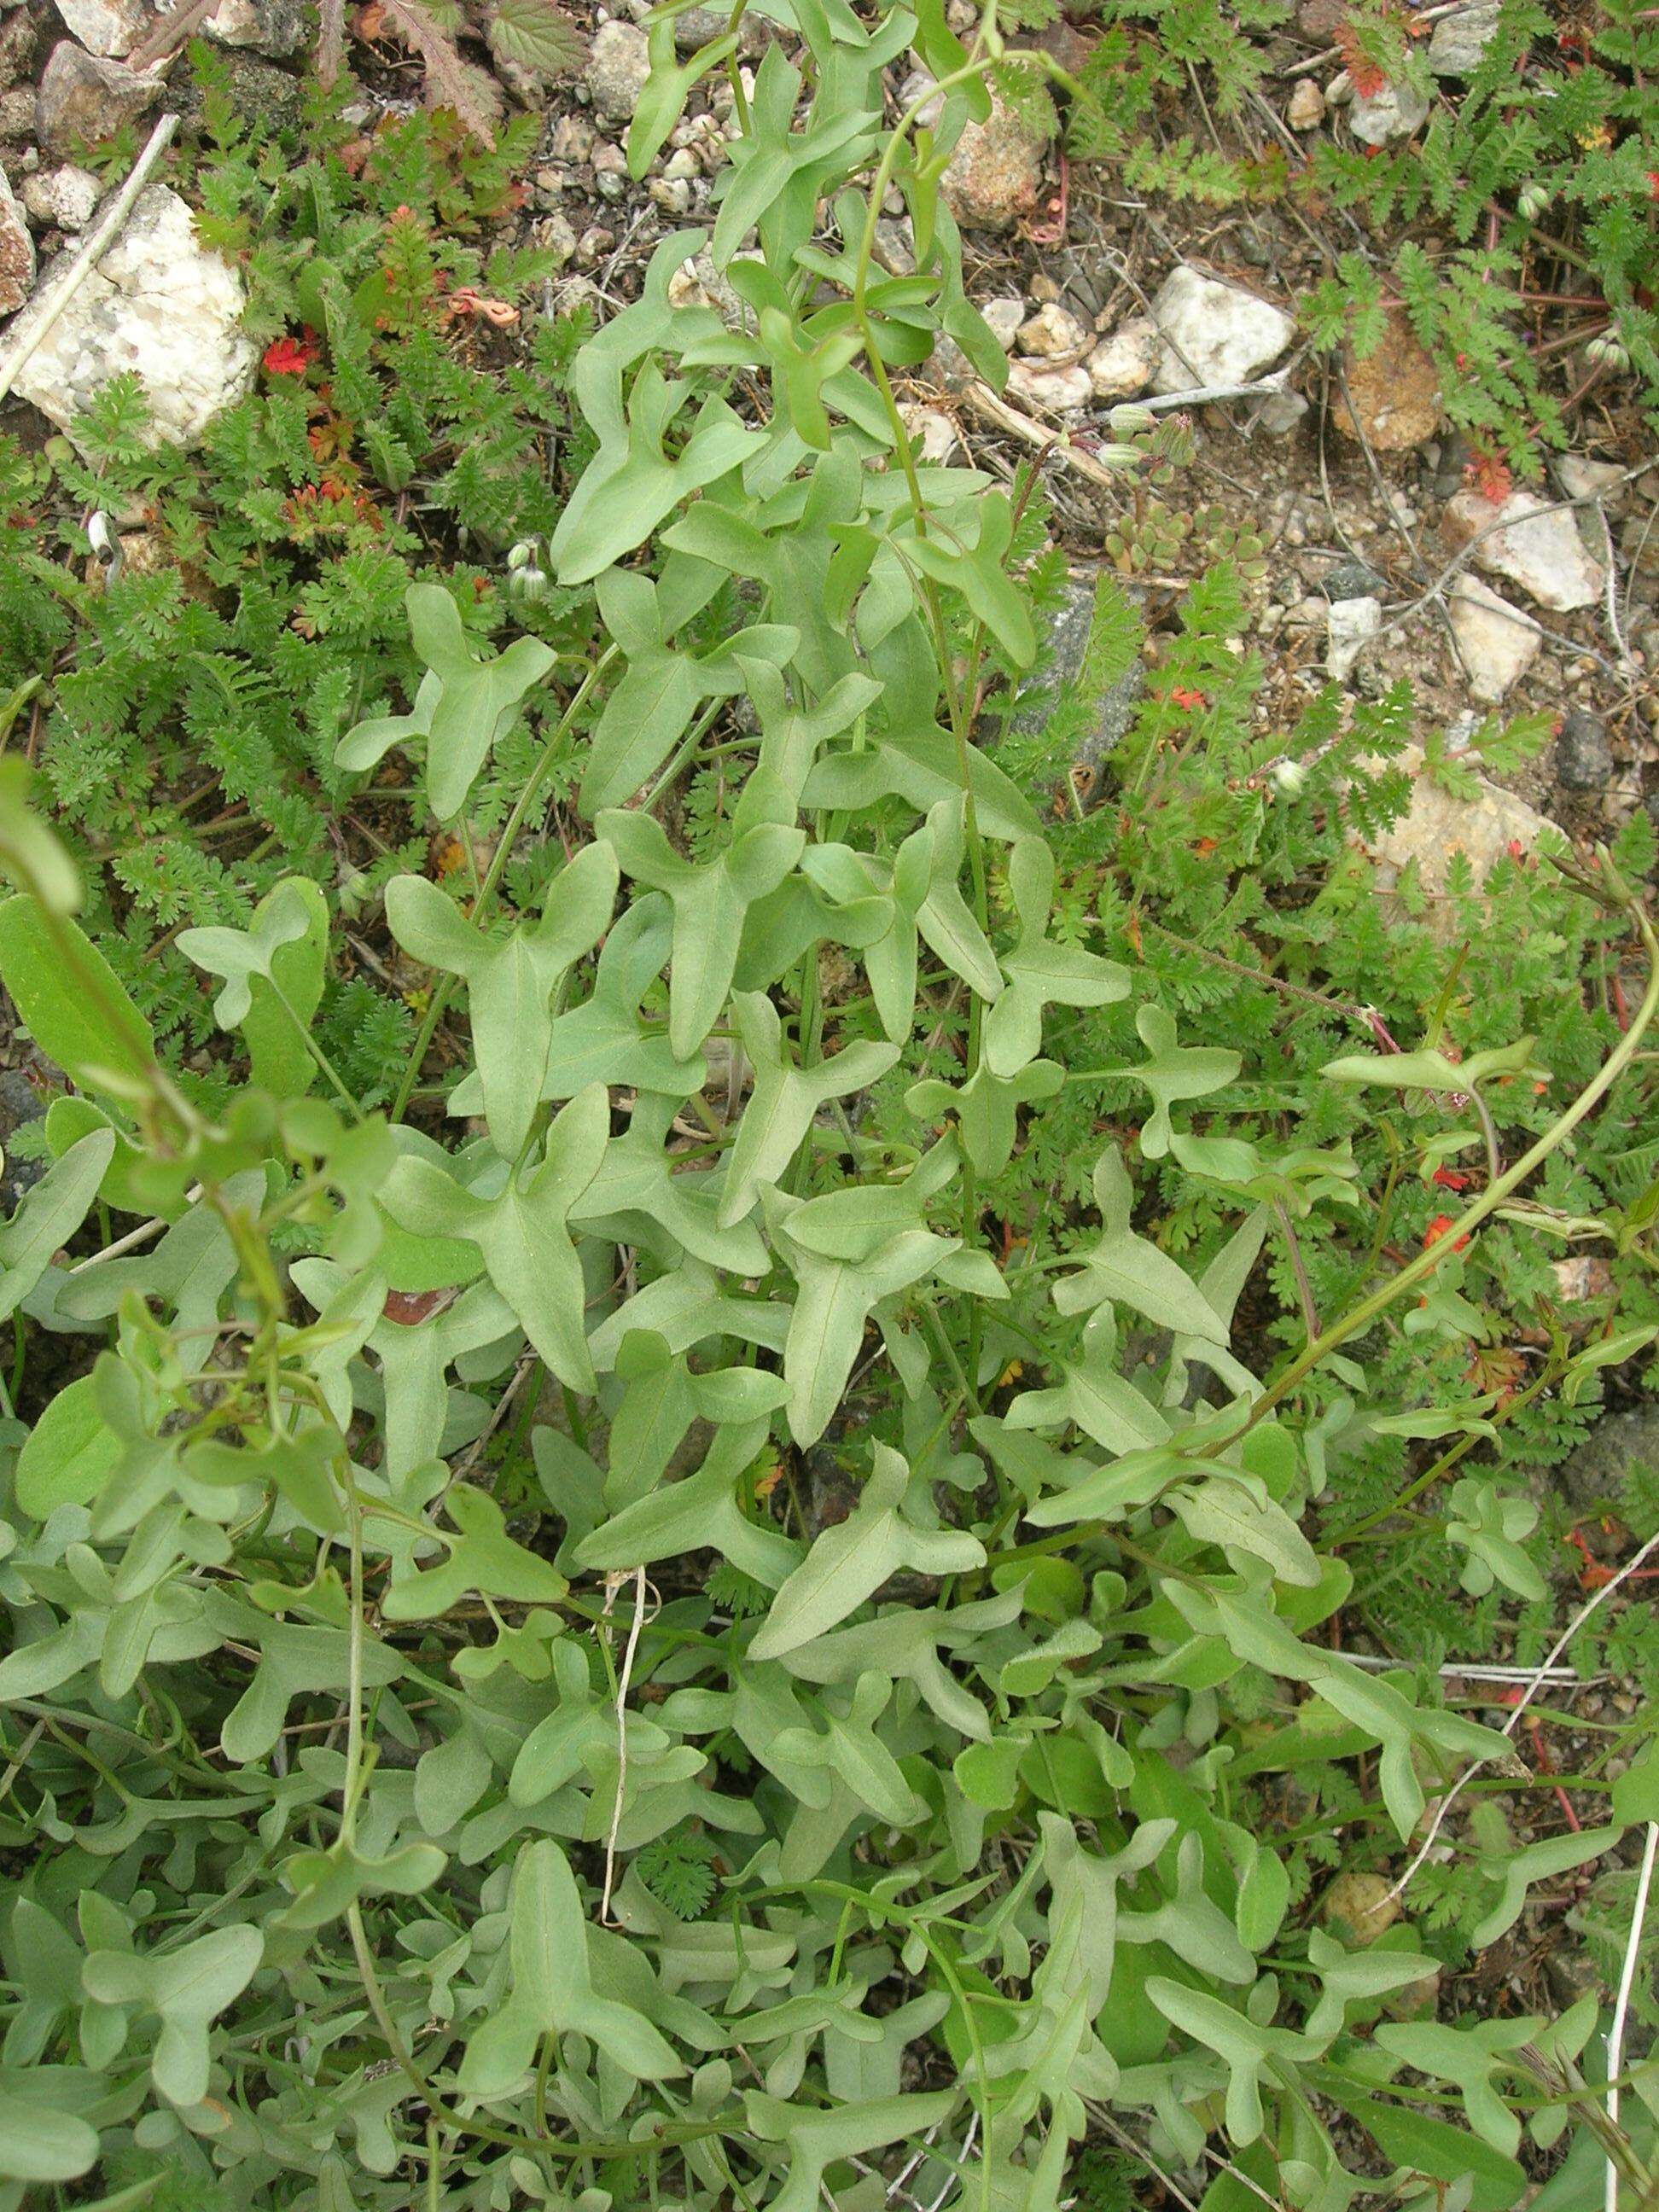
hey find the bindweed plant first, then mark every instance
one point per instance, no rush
(655, 1654)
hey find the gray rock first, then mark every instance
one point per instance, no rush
(275, 28)
(83, 99)
(1496, 642)
(1280, 413)
(157, 305)
(259, 91)
(700, 27)
(1350, 626)
(1394, 113)
(896, 247)
(949, 368)
(1583, 754)
(1115, 712)
(1638, 542)
(1580, 478)
(66, 198)
(570, 139)
(553, 234)
(1353, 580)
(1214, 334)
(618, 64)
(1597, 1470)
(1570, 1972)
(18, 35)
(17, 251)
(17, 113)
(1461, 40)
(698, 283)
(20, 1103)
(111, 27)
(995, 175)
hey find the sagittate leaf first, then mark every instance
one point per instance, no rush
(273, 972)
(521, 1232)
(510, 980)
(849, 1564)
(476, 700)
(188, 1988)
(1132, 1271)
(553, 1990)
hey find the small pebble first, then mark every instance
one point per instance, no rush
(1306, 109)
(1053, 334)
(1583, 754)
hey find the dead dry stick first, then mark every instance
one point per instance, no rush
(170, 33)
(1052, 445)
(1210, 395)
(91, 251)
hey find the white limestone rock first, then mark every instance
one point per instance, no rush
(1053, 391)
(1496, 642)
(159, 305)
(1054, 334)
(1215, 334)
(1349, 628)
(1531, 542)
(109, 28)
(65, 198)
(1123, 365)
(1438, 825)
(1394, 113)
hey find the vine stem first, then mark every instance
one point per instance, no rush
(1360, 1317)
(1448, 1460)
(974, 69)
(510, 828)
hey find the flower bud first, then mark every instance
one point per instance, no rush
(529, 584)
(1531, 202)
(1290, 778)
(1607, 352)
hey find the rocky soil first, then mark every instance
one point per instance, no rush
(1381, 559)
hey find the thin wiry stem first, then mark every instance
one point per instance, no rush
(1621, 2007)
